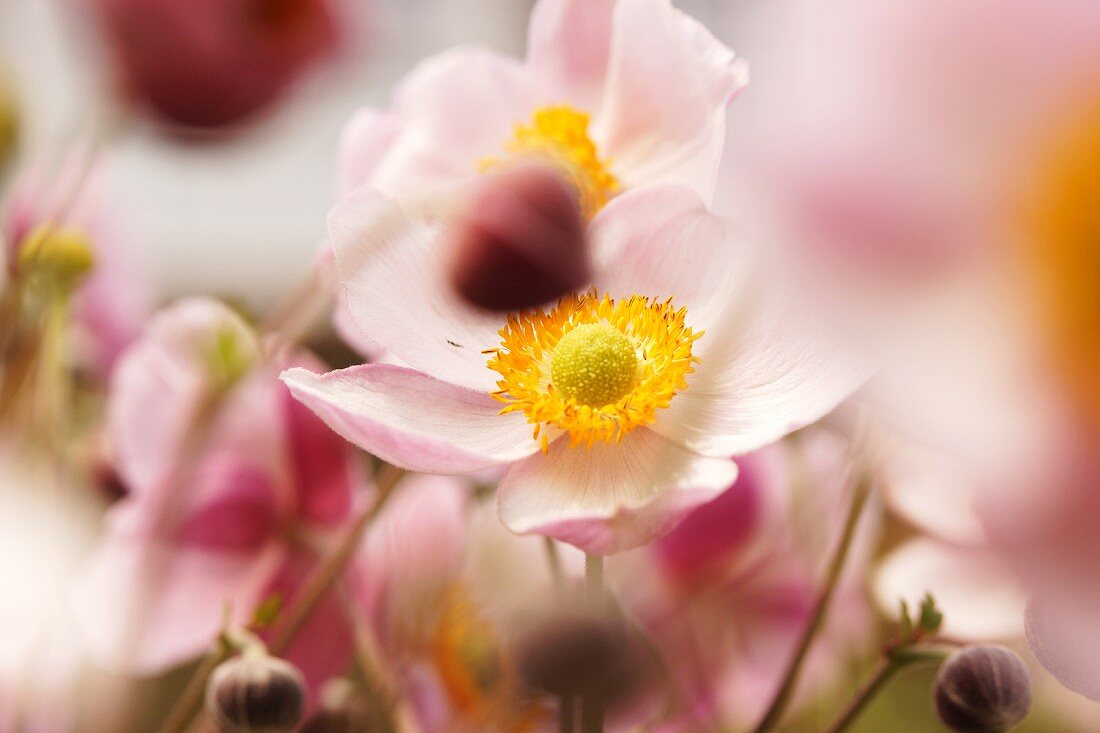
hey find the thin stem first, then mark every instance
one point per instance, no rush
(189, 700)
(861, 490)
(567, 714)
(553, 560)
(592, 705)
(884, 671)
(325, 575)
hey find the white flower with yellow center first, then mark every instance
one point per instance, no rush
(615, 410)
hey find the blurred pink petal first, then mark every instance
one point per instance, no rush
(568, 47)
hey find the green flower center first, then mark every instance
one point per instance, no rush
(594, 364)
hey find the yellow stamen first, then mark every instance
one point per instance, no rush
(560, 135)
(61, 256)
(593, 367)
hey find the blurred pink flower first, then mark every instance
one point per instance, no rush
(653, 83)
(113, 302)
(228, 514)
(210, 63)
(940, 184)
(604, 477)
(727, 593)
(445, 585)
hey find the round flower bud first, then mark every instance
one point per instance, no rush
(59, 256)
(983, 689)
(256, 693)
(520, 241)
(578, 655)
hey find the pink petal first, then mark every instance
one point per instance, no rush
(766, 369)
(455, 110)
(664, 109)
(144, 607)
(1061, 630)
(365, 139)
(321, 465)
(241, 516)
(980, 597)
(568, 43)
(661, 241)
(399, 295)
(165, 369)
(609, 498)
(412, 420)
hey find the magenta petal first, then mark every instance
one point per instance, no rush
(321, 464)
(239, 518)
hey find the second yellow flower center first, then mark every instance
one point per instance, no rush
(559, 134)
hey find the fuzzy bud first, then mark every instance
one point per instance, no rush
(578, 655)
(60, 256)
(983, 689)
(520, 241)
(256, 693)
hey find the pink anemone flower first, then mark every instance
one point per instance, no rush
(616, 410)
(620, 93)
(224, 514)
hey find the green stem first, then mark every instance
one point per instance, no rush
(592, 705)
(884, 672)
(860, 492)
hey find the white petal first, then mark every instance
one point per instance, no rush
(413, 421)
(390, 264)
(609, 498)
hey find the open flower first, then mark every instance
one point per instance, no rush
(227, 509)
(617, 409)
(618, 93)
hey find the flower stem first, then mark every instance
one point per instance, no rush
(191, 697)
(592, 705)
(887, 667)
(860, 491)
(553, 561)
(332, 566)
(567, 713)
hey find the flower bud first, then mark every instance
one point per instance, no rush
(983, 689)
(344, 709)
(256, 693)
(520, 241)
(60, 256)
(206, 64)
(578, 655)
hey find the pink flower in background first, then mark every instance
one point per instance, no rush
(613, 415)
(941, 189)
(229, 514)
(620, 93)
(445, 586)
(210, 63)
(727, 593)
(113, 302)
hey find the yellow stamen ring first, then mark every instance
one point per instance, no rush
(593, 367)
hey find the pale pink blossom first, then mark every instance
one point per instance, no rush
(222, 513)
(760, 373)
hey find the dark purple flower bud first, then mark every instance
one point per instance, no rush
(983, 689)
(579, 655)
(211, 63)
(520, 242)
(256, 693)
